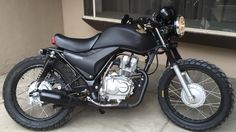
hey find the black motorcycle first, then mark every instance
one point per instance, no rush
(104, 71)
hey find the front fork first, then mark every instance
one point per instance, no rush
(172, 57)
(182, 80)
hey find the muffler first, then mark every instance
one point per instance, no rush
(59, 98)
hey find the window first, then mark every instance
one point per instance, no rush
(88, 7)
(217, 15)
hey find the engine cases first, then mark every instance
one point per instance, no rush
(116, 87)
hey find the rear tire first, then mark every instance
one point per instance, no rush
(11, 103)
(225, 88)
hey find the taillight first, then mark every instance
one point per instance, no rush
(53, 40)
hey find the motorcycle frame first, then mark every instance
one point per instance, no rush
(56, 54)
(169, 49)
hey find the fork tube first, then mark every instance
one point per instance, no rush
(172, 58)
(187, 77)
(182, 81)
(160, 37)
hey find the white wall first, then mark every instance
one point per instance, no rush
(73, 11)
(26, 26)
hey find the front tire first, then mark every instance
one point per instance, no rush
(15, 109)
(185, 115)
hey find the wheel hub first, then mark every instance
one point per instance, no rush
(198, 93)
(34, 95)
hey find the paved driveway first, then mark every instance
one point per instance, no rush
(147, 117)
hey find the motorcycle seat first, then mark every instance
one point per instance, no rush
(75, 44)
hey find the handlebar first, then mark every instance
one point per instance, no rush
(166, 21)
(150, 24)
(144, 22)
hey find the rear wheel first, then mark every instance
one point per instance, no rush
(212, 92)
(29, 111)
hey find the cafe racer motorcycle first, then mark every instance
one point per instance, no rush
(104, 71)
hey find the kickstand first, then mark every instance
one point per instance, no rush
(101, 111)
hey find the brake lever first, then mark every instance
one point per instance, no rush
(149, 25)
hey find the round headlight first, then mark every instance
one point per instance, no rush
(180, 26)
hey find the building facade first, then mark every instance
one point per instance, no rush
(202, 16)
(207, 38)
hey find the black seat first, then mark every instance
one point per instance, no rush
(74, 44)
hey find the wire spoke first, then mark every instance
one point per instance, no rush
(41, 113)
(188, 111)
(25, 91)
(179, 101)
(212, 106)
(214, 95)
(206, 81)
(44, 111)
(201, 113)
(217, 94)
(174, 88)
(175, 93)
(176, 82)
(215, 105)
(22, 98)
(211, 109)
(31, 107)
(178, 104)
(204, 111)
(37, 110)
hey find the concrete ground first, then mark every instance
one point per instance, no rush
(147, 117)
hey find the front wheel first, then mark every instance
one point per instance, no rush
(212, 92)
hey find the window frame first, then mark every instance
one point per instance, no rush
(188, 29)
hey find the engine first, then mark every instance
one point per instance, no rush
(116, 86)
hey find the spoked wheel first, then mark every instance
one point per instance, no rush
(27, 109)
(207, 96)
(32, 106)
(212, 92)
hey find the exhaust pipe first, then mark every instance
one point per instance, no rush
(59, 98)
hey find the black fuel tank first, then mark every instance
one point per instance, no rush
(126, 37)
